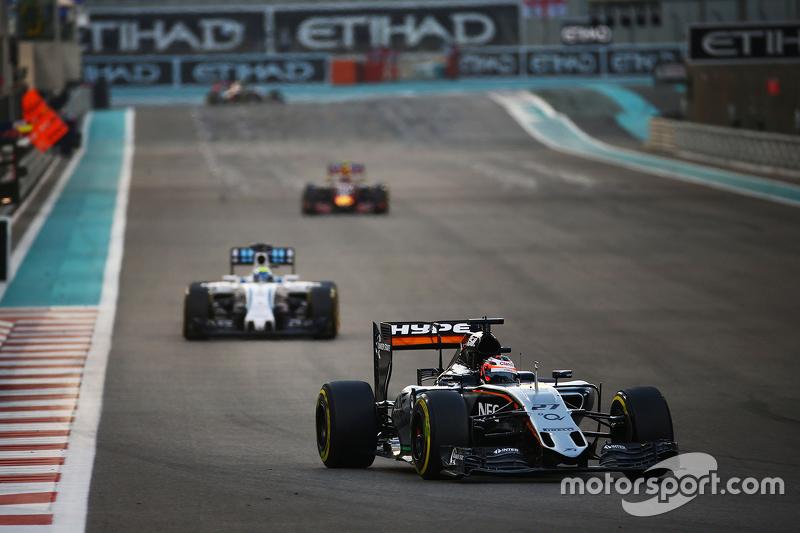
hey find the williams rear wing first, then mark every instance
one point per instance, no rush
(262, 255)
(389, 337)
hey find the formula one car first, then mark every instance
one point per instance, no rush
(341, 194)
(237, 93)
(480, 414)
(261, 304)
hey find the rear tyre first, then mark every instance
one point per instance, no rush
(346, 424)
(307, 203)
(439, 418)
(380, 195)
(324, 303)
(196, 311)
(647, 419)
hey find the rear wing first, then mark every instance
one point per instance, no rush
(389, 337)
(335, 168)
(262, 255)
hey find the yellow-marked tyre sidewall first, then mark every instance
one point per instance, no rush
(346, 424)
(625, 435)
(442, 419)
(325, 451)
(426, 432)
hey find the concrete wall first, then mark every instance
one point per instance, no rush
(50, 65)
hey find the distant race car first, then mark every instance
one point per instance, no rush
(345, 192)
(479, 414)
(261, 304)
(237, 93)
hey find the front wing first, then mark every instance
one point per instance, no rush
(630, 457)
(227, 328)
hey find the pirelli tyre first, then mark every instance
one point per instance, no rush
(307, 202)
(646, 419)
(196, 311)
(346, 424)
(380, 194)
(646, 416)
(324, 308)
(439, 418)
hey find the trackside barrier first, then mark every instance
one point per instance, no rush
(36, 162)
(758, 148)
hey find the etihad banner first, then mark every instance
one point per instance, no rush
(154, 31)
(744, 42)
(404, 27)
(301, 28)
(490, 62)
(558, 61)
(191, 70)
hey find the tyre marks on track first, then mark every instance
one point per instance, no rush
(42, 356)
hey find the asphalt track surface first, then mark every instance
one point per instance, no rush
(625, 278)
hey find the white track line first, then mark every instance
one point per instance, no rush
(72, 504)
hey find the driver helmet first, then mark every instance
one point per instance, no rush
(263, 274)
(346, 171)
(499, 369)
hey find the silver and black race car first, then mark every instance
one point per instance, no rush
(345, 192)
(479, 414)
(261, 304)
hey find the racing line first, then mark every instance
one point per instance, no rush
(56, 319)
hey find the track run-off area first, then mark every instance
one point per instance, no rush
(600, 259)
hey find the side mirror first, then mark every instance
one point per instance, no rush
(557, 374)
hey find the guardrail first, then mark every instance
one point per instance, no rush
(732, 144)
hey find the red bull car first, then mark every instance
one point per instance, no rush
(480, 414)
(345, 192)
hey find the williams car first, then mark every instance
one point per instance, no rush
(261, 303)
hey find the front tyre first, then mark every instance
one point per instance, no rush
(646, 416)
(196, 311)
(324, 304)
(346, 424)
(646, 419)
(439, 418)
